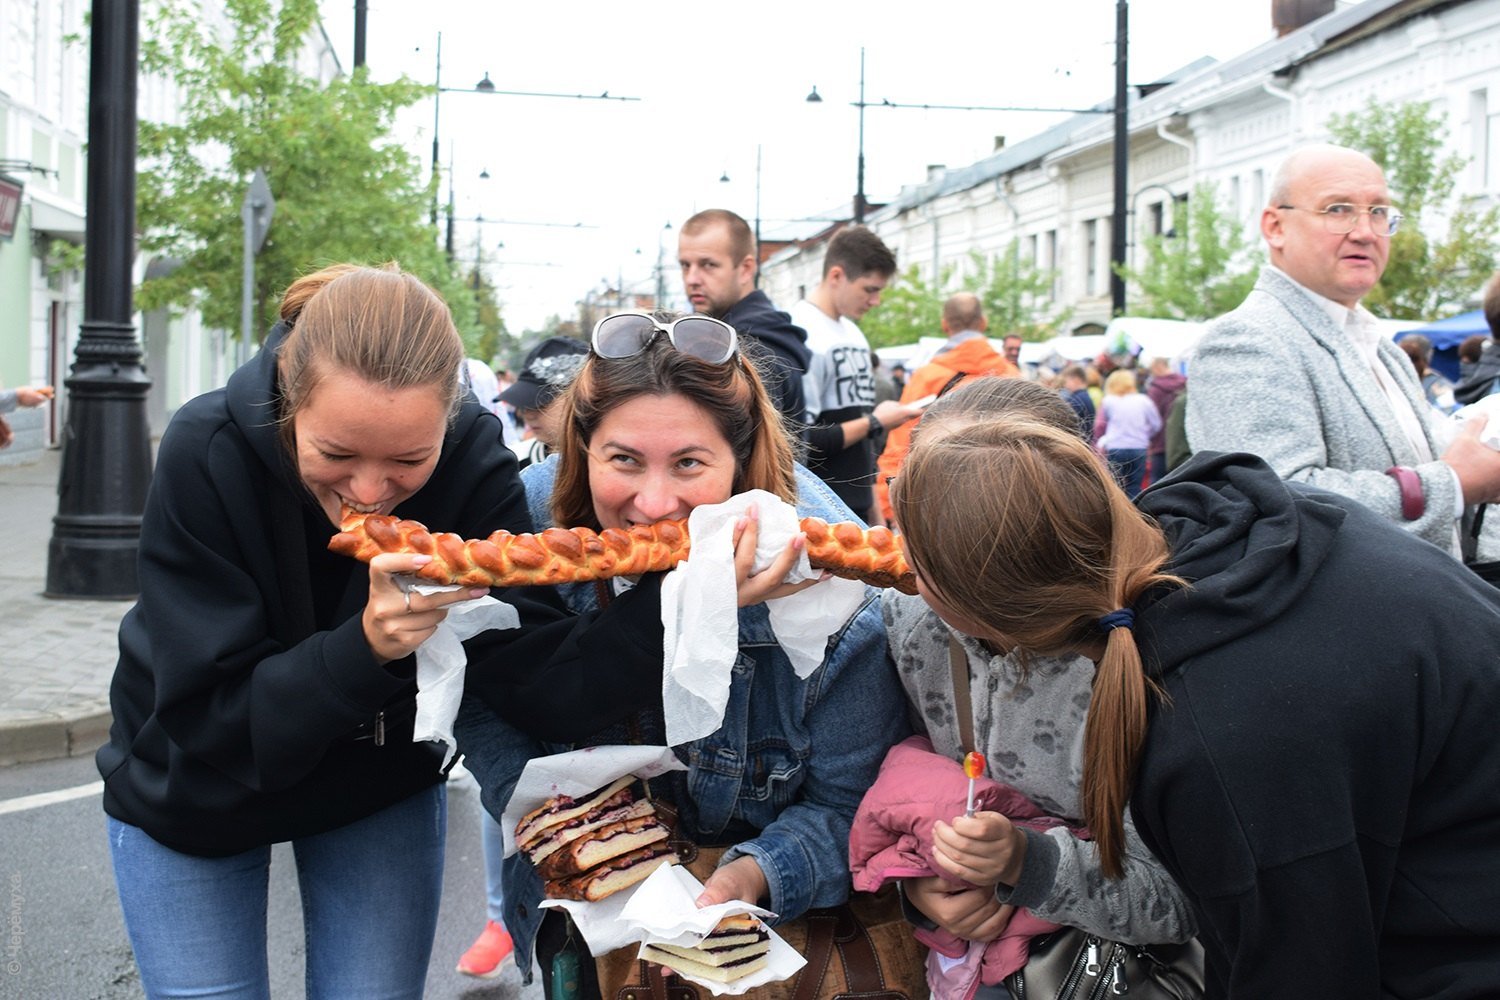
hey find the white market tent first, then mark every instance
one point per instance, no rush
(1153, 338)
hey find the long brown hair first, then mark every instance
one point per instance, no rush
(1018, 523)
(732, 394)
(380, 323)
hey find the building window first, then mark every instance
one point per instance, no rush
(1091, 257)
(1049, 261)
(1484, 141)
(1156, 219)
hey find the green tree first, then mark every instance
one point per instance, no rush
(1203, 269)
(492, 341)
(1014, 291)
(344, 190)
(1426, 275)
(910, 308)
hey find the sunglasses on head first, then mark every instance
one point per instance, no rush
(626, 334)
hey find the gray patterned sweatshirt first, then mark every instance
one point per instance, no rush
(1030, 731)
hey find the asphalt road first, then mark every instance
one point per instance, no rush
(62, 937)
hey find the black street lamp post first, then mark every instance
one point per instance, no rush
(106, 463)
(1121, 162)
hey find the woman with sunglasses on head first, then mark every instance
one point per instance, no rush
(666, 416)
(1281, 698)
(265, 691)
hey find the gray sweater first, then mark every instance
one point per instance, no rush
(1030, 731)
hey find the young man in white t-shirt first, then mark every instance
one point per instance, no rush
(839, 386)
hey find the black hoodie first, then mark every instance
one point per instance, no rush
(1480, 382)
(1325, 782)
(246, 698)
(779, 348)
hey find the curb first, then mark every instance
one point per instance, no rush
(48, 738)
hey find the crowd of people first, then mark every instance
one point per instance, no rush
(1206, 639)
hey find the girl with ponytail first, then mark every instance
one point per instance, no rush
(1015, 585)
(1280, 695)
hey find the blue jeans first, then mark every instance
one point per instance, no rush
(494, 867)
(1128, 465)
(369, 903)
(1157, 465)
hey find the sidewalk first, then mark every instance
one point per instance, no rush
(56, 656)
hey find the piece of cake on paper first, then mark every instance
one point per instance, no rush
(735, 948)
(592, 847)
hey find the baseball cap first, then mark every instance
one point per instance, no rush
(550, 368)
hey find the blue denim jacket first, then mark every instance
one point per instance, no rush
(792, 760)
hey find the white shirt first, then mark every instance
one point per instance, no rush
(840, 375)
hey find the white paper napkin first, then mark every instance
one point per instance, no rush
(1488, 406)
(661, 910)
(441, 660)
(600, 922)
(700, 612)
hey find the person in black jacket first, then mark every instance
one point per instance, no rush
(718, 256)
(1483, 377)
(1295, 698)
(265, 690)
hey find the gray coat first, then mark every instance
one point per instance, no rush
(1278, 378)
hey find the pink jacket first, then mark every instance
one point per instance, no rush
(892, 839)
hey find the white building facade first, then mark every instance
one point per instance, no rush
(44, 173)
(43, 126)
(1225, 124)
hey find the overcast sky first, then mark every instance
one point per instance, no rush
(717, 80)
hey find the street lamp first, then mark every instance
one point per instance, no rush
(661, 273)
(484, 86)
(106, 462)
(484, 175)
(859, 180)
(725, 180)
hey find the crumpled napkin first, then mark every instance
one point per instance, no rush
(1489, 406)
(662, 910)
(700, 612)
(441, 660)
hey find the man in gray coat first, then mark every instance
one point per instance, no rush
(1301, 374)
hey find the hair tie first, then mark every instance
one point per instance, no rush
(1123, 618)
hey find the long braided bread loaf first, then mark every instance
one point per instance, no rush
(574, 555)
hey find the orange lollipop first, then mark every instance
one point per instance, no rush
(973, 768)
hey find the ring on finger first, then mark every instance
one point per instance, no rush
(407, 594)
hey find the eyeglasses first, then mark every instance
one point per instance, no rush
(1340, 219)
(624, 335)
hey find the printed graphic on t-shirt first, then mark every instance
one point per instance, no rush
(850, 381)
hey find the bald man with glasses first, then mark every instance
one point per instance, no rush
(1301, 374)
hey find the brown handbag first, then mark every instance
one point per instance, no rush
(878, 958)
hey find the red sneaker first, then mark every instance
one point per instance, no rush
(488, 953)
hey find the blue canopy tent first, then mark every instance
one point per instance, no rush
(1447, 334)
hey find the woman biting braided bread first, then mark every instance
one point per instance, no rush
(665, 416)
(265, 688)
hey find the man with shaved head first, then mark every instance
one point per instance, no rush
(1301, 374)
(967, 352)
